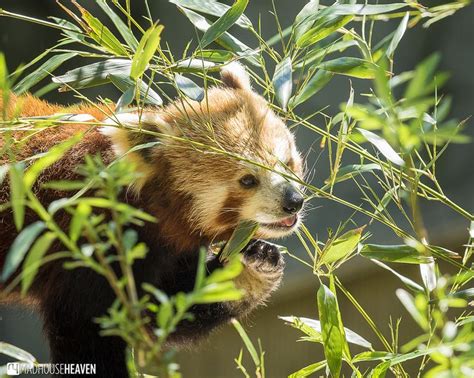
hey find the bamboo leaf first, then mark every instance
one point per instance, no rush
(397, 37)
(354, 67)
(408, 282)
(189, 88)
(41, 72)
(317, 82)
(349, 171)
(17, 353)
(100, 33)
(80, 216)
(228, 19)
(394, 253)
(33, 260)
(49, 158)
(212, 8)
(305, 18)
(241, 236)
(123, 29)
(93, 74)
(343, 246)
(383, 146)
(147, 94)
(248, 344)
(331, 330)
(308, 370)
(19, 247)
(149, 43)
(17, 194)
(365, 9)
(283, 82)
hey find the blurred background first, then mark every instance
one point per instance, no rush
(373, 287)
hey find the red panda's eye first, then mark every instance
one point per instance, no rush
(248, 181)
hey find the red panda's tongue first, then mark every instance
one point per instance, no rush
(289, 222)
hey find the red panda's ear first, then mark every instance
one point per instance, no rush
(234, 75)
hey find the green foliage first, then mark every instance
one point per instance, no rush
(386, 144)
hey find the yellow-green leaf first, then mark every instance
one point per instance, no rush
(146, 50)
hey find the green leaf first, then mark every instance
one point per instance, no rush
(353, 67)
(343, 246)
(283, 82)
(147, 94)
(351, 170)
(320, 52)
(305, 18)
(19, 247)
(313, 86)
(408, 282)
(409, 303)
(331, 329)
(324, 27)
(226, 40)
(149, 43)
(17, 194)
(423, 76)
(41, 72)
(380, 370)
(126, 99)
(101, 34)
(397, 37)
(383, 146)
(33, 260)
(248, 344)
(217, 292)
(189, 87)
(315, 326)
(394, 253)
(49, 158)
(17, 353)
(123, 29)
(228, 19)
(81, 213)
(231, 270)
(213, 8)
(365, 9)
(308, 370)
(93, 74)
(241, 236)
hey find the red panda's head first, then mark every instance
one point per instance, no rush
(216, 162)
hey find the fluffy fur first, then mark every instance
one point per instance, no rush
(191, 181)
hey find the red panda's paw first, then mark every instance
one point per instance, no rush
(263, 257)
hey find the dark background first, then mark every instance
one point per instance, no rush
(452, 37)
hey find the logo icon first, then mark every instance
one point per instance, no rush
(13, 368)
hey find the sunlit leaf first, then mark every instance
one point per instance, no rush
(33, 259)
(123, 29)
(354, 67)
(213, 8)
(93, 74)
(351, 170)
(19, 247)
(331, 330)
(16, 353)
(410, 283)
(228, 19)
(101, 34)
(308, 370)
(241, 236)
(80, 216)
(409, 303)
(315, 325)
(49, 158)
(383, 146)
(149, 43)
(282, 81)
(147, 94)
(341, 247)
(317, 82)
(365, 9)
(325, 26)
(189, 87)
(41, 72)
(17, 194)
(394, 253)
(397, 37)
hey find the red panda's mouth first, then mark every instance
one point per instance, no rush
(284, 223)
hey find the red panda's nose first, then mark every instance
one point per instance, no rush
(292, 200)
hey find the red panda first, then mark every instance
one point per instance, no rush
(198, 196)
